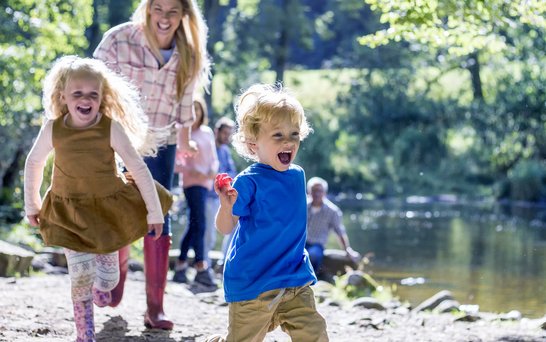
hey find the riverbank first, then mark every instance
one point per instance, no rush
(38, 308)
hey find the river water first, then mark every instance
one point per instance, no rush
(486, 254)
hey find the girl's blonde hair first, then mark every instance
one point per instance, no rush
(261, 104)
(191, 43)
(120, 100)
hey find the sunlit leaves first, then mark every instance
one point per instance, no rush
(460, 140)
(460, 26)
(33, 33)
(248, 7)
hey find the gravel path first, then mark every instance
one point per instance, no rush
(38, 308)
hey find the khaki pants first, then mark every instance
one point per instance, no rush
(292, 308)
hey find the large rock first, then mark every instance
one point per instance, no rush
(336, 262)
(368, 303)
(55, 256)
(14, 260)
(434, 301)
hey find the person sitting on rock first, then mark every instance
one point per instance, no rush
(322, 217)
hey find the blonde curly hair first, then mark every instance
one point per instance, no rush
(120, 100)
(261, 104)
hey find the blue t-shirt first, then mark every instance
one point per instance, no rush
(268, 248)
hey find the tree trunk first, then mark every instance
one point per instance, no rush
(474, 69)
(118, 12)
(10, 176)
(211, 9)
(92, 33)
(281, 55)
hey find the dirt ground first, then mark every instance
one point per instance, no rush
(38, 308)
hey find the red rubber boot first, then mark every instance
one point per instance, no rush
(156, 265)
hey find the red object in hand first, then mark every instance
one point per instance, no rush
(223, 180)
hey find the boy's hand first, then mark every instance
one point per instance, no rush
(157, 228)
(34, 220)
(222, 186)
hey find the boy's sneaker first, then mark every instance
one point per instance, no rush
(180, 276)
(205, 277)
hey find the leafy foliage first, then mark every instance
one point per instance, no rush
(444, 96)
(32, 34)
(461, 26)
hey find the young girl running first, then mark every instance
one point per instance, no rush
(89, 210)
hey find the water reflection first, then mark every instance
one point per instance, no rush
(490, 255)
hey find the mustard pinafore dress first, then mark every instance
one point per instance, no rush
(88, 207)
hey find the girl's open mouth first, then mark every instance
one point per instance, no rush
(84, 110)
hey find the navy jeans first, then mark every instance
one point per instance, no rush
(316, 254)
(162, 169)
(196, 197)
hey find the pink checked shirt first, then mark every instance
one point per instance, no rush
(124, 49)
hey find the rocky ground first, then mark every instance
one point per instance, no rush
(38, 308)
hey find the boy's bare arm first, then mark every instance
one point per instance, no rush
(225, 220)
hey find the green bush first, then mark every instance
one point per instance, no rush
(527, 181)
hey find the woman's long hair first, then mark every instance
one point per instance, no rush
(191, 43)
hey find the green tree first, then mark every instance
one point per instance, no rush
(461, 26)
(107, 13)
(500, 44)
(257, 37)
(32, 35)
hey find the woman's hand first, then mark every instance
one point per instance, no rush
(34, 220)
(157, 228)
(129, 177)
(189, 149)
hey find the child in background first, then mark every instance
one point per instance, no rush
(267, 271)
(89, 210)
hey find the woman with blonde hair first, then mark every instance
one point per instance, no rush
(162, 50)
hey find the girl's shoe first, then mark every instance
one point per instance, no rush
(117, 292)
(101, 298)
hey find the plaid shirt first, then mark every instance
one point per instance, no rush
(320, 223)
(124, 49)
